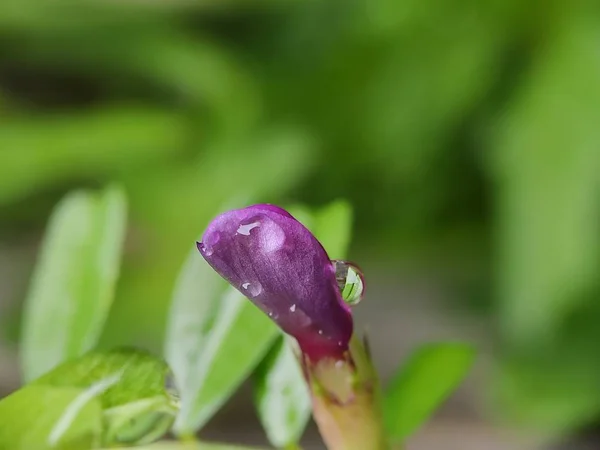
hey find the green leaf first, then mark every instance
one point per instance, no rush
(431, 374)
(281, 396)
(191, 319)
(138, 407)
(43, 417)
(215, 339)
(332, 226)
(142, 375)
(73, 284)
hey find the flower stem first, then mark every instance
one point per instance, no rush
(292, 446)
(346, 401)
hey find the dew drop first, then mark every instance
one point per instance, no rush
(207, 251)
(320, 331)
(350, 281)
(246, 228)
(252, 289)
(293, 308)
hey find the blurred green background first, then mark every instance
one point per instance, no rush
(465, 133)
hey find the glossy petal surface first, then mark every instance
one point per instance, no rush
(279, 265)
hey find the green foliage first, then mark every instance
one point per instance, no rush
(216, 338)
(452, 128)
(136, 406)
(43, 418)
(430, 375)
(546, 165)
(122, 397)
(54, 150)
(209, 322)
(118, 397)
(281, 396)
(547, 268)
(73, 285)
(239, 329)
(140, 376)
(553, 404)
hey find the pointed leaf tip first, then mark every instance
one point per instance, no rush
(421, 385)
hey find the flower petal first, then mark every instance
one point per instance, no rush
(279, 265)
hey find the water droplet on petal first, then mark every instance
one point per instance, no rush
(246, 228)
(204, 249)
(293, 308)
(350, 281)
(320, 331)
(252, 289)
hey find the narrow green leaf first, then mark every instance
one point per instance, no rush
(193, 312)
(282, 398)
(73, 283)
(215, 339)
(431, 374)
(238, 340)
(203, 310)
(44, 417)
(137, 407)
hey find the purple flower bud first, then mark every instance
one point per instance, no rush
(281, 267)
